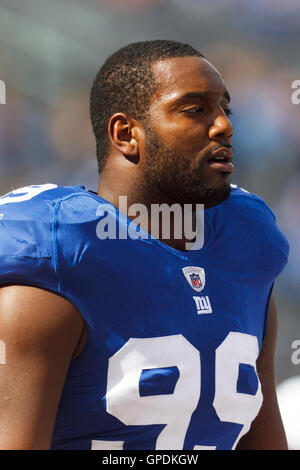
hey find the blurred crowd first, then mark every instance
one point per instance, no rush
(51, 51)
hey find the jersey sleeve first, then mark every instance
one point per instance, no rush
(27, 255)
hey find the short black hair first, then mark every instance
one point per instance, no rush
(125, 83)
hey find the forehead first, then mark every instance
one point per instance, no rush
(178, 76)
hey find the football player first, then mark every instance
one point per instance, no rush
(113, 342)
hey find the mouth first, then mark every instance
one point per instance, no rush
(221, 160)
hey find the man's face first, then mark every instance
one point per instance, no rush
(188, 135)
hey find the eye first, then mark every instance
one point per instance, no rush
(196, 109)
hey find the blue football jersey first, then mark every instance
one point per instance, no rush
(173, 336)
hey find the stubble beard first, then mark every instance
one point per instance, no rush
(169, 177)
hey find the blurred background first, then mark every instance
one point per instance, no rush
(51, 51)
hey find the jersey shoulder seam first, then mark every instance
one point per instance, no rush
(54, 231)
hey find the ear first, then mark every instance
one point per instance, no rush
(124, 134)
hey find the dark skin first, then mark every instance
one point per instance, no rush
(189, 119)
(39, 347)
(190, 116)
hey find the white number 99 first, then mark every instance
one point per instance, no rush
(175, 410)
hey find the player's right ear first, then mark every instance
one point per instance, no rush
(124, 135)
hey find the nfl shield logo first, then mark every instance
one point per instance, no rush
(195, 277)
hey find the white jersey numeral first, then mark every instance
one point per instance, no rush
(237, 348)
(175, 409)
(26, 193)
(123, 398)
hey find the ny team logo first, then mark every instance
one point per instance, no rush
(195, 276)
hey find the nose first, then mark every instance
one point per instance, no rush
(221, 128)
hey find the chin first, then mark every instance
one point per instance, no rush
(217, 195)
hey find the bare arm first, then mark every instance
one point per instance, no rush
(267, 432)
(41, 332)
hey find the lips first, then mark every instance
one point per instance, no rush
(221, 159)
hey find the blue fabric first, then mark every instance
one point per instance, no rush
(159, 381)
(247, 380)
(130, 290)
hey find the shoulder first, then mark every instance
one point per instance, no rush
(27, 220)
(41, 196)
(252, 224)
(250, 211)
(33, 206)
(27, 213)
(250, 205)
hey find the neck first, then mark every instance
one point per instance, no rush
(173, 225)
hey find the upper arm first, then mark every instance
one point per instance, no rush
(267, 432)
(40, 331)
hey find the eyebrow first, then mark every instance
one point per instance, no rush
(201, 95)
